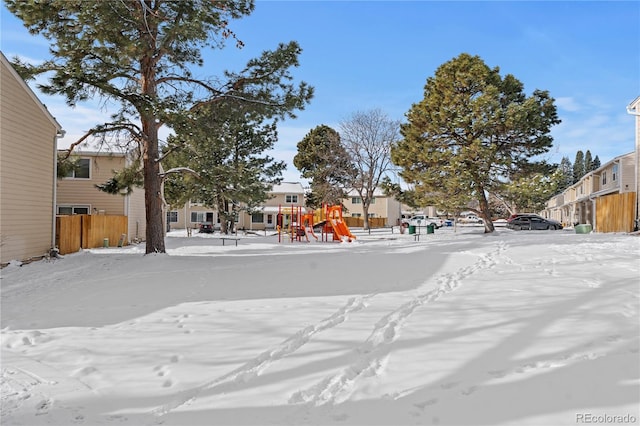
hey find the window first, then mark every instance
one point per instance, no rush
(291, 198)
(356, 200)
(198, 217)
(73, 209)
(373, 200)
(257, 218)
(604, 178)
(270, 219)
(172, 217)
(81, 171)
(614, 173)
(356, 214)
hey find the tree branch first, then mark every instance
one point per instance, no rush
(106, 128)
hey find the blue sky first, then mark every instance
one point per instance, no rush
(362, 55)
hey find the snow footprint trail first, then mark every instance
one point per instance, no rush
(374, 352)
(256, 366)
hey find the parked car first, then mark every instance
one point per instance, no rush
(470, 219)
(423, 220)
(532, 222)
(513, 216)
(206, 227)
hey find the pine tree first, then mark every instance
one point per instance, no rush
(225, 145)
(472, 131)
(596, 163)
(322, 159)
(588, 162)
(578, 167)
(531, 193)
(138, 54)
(566, 172)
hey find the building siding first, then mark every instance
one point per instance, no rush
(27, 170)
(628, 174)
(83, 191)
(577, 204)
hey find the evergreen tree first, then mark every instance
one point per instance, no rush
(530, 193)
(225, 145)
(472, 131)
(588, 162)
(137, 53)
(578, 167)
(323, 160)
(566, 174)
(596, 163)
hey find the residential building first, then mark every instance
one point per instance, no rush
(634, 109)
(282, 199)
(28, 140)
(382, 206)
(286, 198)
(191, 215)
(77, 192)
(601, 198)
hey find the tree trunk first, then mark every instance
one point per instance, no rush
(365, 214)
(152, 193)
(151, 166)
(485, 213)
(223, 215)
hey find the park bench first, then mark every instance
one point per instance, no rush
(229, 238)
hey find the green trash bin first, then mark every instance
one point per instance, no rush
(431, 228)
(412, 229)
(583, 228)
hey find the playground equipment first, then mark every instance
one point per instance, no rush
(339, 228)
(297, 223)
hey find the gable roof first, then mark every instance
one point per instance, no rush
(634, 105)
(377, 192)
(288, 188)
(5, 62)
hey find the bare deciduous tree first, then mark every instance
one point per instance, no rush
(367, 137)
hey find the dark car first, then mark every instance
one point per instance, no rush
(206, 227)
(514, 216)
(532, 222)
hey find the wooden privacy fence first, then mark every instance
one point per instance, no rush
(616, 212)
(89, 231)
(358, 222)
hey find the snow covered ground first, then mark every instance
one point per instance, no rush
(518, 328)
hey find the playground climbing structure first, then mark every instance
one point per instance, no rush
(298, 224)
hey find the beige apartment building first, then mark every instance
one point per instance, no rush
(283, 198)
(28, 140)
(600, 198)
(77, 192)
(382, 206)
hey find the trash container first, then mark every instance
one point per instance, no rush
(583, 228)
(105, 242)
(430, 228)
(412, 229)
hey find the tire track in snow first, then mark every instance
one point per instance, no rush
(374, 352)
(257, 365)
